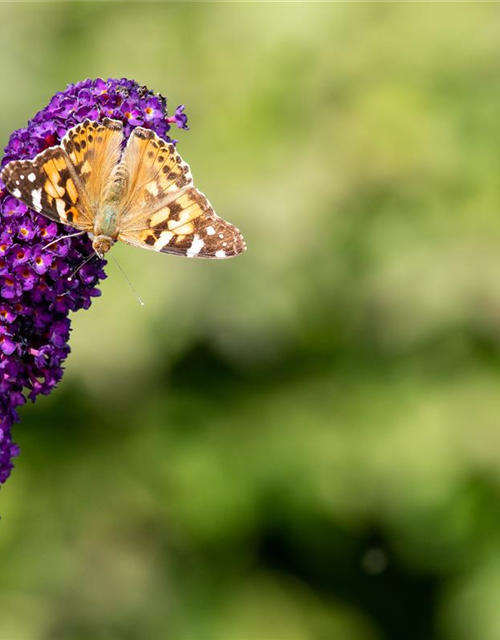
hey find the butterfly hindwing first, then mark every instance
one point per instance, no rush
(48, 184)
(163, 211)
(187, 226)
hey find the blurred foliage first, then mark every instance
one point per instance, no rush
(302, 443)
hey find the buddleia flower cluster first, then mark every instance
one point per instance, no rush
(37, 293)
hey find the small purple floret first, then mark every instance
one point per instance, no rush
(179, 118)
(36, 296)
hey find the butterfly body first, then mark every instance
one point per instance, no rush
(102, 244)
(140, 193)
(107, 222)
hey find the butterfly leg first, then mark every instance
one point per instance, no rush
(71, 235)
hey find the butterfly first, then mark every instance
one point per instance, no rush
(142, 194)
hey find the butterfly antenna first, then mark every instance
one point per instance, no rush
(71, 235)
(92, 255)
(127, 279)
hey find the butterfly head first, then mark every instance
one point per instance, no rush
(102, 244)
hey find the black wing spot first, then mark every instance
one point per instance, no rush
(175, 209)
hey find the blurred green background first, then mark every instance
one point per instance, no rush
(302, 443)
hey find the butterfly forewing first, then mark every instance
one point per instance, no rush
(154, 169)
(94, 149)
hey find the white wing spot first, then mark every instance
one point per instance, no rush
(36, 194)
(22, 177)
(16, 193)
(61, 209)
(196, 246)
(220, 254)
(224, 244)
(163, 240)
(221, 235)
(210, 231)
(152, 187)
(17, 181)
(31, 177)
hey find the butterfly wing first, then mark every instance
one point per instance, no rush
(48, 184)
(162, 210)
(94, 149)
(66, 182)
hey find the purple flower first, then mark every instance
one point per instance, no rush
(25, 276)
(10, 288)
(179, 118)
(7, 344)
(132, 113)
(5, 243)
(36, 293)
(153, 109)
(42, 260)
(7, 313)
(11, 207)
(19, 254)
(27, 229)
